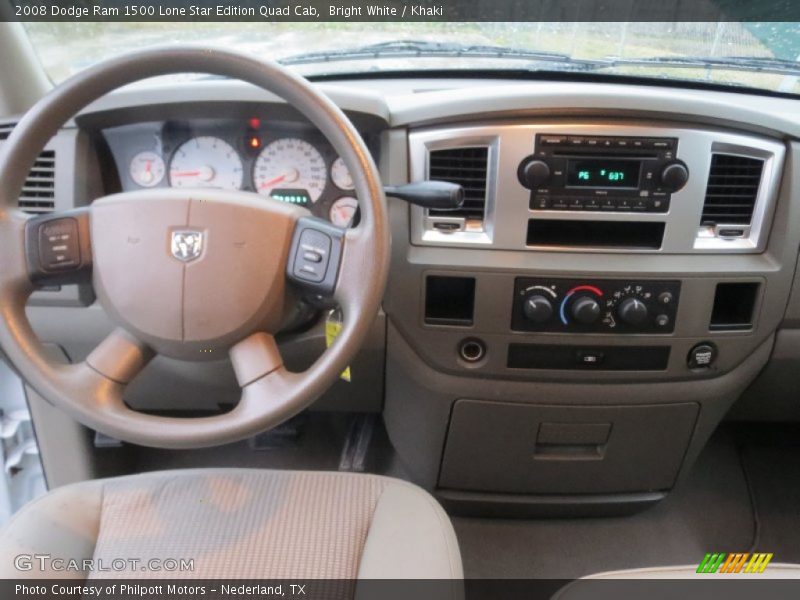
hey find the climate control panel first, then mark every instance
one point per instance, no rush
(595, 306)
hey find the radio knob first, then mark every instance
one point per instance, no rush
(585, 310)
(632, 311)
(537, 308)
(674, 176)
(535, 173)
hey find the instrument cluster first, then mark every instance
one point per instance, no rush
(288, 162)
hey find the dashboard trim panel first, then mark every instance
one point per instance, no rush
(508, 208)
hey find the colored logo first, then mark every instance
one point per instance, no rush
(720, 562)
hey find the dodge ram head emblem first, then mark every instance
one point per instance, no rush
(187, 245)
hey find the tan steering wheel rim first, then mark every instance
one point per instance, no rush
(92, 391)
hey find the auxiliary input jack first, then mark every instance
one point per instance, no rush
(471, 350)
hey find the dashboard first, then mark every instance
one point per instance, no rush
(623, 270)
(288, 162)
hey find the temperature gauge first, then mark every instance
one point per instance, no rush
(343, 210)
(147, 169)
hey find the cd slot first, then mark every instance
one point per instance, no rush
(578, 153)
(595, 234)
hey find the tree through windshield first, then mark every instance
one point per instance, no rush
(754, 55)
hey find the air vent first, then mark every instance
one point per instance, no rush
(732, 190)
(466, 167)
(5, 130)
(38, 193)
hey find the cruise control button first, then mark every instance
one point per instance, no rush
(58, 244)
(311, 261)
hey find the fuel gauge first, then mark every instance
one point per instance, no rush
(147, 169)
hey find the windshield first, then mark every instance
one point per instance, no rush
(753, 55)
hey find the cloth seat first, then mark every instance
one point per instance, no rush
(235, 523)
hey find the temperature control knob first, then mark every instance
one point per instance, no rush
(674, 176)
(632, 311)
(585, 310)
(537, 308)
(534, 173)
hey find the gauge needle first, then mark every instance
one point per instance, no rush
(290, 176)
(204, 173)
(273, 181)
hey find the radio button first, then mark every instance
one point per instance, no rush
(555, 140)
(641, 204)
(674, 176)
(559, 204)
(540, 203)
(591, 204)
(624, 204)
(659, 205)
(534, 173)
(608, 204)
(576, 204)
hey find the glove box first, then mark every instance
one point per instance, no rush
(505, 447)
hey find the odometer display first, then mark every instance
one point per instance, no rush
(602, 173)
(299, 197)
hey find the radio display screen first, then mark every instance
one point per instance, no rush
(603, 173)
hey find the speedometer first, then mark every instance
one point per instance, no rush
(290, 168)
(206, 161)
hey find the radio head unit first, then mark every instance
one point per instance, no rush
(602, 173)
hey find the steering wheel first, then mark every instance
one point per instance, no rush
(189, 274)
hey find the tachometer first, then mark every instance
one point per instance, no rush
(287, 168)
(206, 161)
(147, 169)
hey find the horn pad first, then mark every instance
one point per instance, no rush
(192, 273)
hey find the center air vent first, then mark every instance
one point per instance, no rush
(38, 193)
(466, 167)
(5, 130)
(732, 190)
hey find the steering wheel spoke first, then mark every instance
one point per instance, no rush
(255, 357)
(58, 248)
(120, 357)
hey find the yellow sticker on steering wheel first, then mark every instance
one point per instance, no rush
(333, 327)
